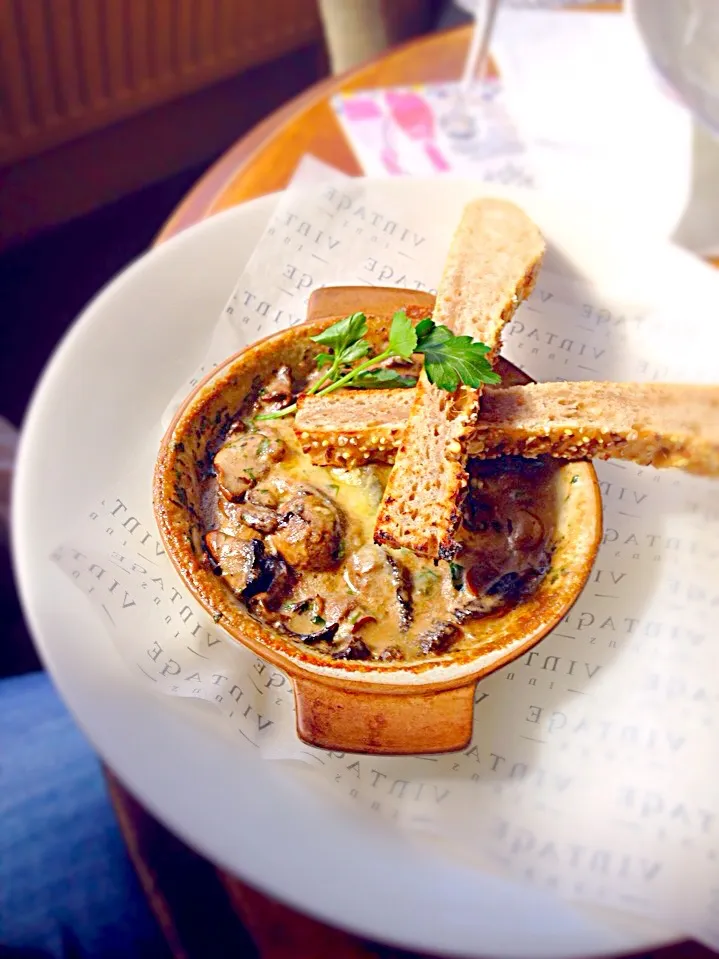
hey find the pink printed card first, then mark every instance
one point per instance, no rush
(433, 129)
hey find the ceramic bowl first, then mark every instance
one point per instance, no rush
(423, 706)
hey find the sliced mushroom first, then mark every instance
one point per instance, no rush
(480, 576)
(227, 518)
(278, 390)
(355, 648)
(360, 618)
(338, 607)
(364, 561)
(352, 623)
(476, 607)
(391, 654)
(402, 582)
(243, 461)
(261, 518)
(477, 512)
(373, 572)
(310, 529)
(238, 560)
(248, 569)
(526, 531)
(263, 496)
(287, 621)
(512, 586)
(438, 638)
(279, 578)
(508, 587)
(337, 616)
(324, 635)
(263, 607)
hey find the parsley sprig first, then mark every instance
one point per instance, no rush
(448, 359)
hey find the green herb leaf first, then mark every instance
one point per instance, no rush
(382, 379)
(402, 338)
(423, 329)
(450, 360)
(355, 351)
(343, 333)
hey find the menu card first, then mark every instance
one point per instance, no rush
(432, 129)
(590, 771)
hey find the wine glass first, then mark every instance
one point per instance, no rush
(459, 122)
(682, 40)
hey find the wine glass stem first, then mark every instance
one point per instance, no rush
(475, 66)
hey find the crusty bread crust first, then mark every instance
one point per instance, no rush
(353, 427)
(653, 424)
(491, 267)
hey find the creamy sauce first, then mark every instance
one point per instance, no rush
(378, 603)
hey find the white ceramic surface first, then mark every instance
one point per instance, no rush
(177, 756)
(682, 40)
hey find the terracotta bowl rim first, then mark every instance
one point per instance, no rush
(390, 678)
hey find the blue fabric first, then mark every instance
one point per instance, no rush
(67, 887)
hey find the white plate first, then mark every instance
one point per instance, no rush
(259, 820)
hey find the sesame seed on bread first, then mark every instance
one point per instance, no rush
(653, 424)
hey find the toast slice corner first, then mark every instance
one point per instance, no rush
(491, 267)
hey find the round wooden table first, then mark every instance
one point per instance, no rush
(202, 910)
(264, 160)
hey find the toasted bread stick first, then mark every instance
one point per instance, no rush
(491, 267)
(653, 424)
